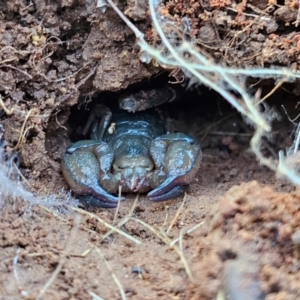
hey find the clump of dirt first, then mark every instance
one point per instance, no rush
(249, 33)
(256, 227)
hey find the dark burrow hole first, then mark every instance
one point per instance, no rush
(191, 112)
(202, 113)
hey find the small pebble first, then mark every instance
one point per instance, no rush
(233, 172)
(137, 270)
(296, 237)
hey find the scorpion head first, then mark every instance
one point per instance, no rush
(133, 166)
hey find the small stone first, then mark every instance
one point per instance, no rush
(296, 237)
(137, 270)
(233, 172)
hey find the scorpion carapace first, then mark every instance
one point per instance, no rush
(131, 150)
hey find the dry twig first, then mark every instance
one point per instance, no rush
(177, 214)
(7, 111)
(115, 229)
(121, 223)
(163, 236)
(276, 87)
(118, 206)
(23, 132)
(187, 232)
(17, 69)
(62, 259)
(113, 275)
(124, 220)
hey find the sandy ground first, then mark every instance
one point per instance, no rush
(235, 233)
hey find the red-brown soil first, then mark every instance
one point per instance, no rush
(58, 56)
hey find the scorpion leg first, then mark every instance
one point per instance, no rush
(92, 201)
(81, 171)
(98, 122)
(181, 162)
(83, 144)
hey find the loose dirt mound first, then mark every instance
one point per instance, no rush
(247, 245)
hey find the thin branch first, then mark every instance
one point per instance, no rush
(115, 229)
(118, 206)
(139, 35)
(163, 236)
(113, 275)
(188, 232)
(23, 132)
(17, 69)
(177, 214)
(7, 111)
(276, 87)
(62, 259)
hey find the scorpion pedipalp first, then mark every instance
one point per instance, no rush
(181, 163)
(174, 192)
(81, 171)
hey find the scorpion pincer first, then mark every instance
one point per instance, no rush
(137, 155)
